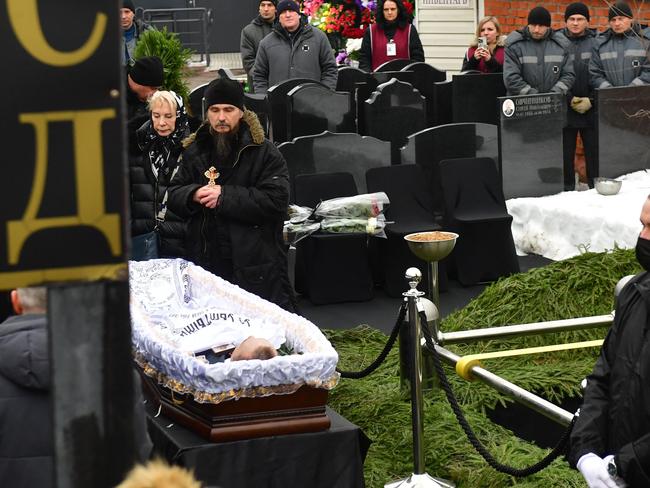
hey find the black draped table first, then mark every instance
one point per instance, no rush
(327, 459)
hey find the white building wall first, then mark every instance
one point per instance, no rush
(446, 31)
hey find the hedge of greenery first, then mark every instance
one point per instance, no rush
(577, 287)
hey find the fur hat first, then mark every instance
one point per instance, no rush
(539, 16)
(148, 71)
(576, 8)
(620, 9)
(226, 91)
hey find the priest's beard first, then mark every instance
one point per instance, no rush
(224, 144)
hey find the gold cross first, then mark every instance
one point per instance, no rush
(211, 174)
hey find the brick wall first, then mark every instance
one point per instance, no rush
(513, 14)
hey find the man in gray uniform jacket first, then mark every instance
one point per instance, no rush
(252, 35)
(621, 57)
(294, 49)
(537, 60)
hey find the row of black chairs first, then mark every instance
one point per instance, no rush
(345, 267)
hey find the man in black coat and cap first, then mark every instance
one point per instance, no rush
(233, 186)
(143, 79)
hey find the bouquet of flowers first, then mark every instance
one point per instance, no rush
(360, 214)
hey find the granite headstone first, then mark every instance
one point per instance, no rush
(530, 135)
(426, 76)
(277, 99)
(315, 108)
(432, 145)
(393, 112)
(333, 153)
(474, 97)
(623, 123)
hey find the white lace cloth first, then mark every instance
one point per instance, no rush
(564, 225)
(172, 296)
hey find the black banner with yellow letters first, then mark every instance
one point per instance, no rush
(63, 159)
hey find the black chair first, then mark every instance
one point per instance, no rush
(411, 210)
(476, 210)
(331, 268)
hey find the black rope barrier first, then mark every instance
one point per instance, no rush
(557, 451)
(382, 355)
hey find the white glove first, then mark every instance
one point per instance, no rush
(594, 471)
(620, 482)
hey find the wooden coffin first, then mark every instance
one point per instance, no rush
(245, 418)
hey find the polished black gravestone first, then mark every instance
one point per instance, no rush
(195, 102)
(334, 153)
(363, 91)
(277, 100)
(393, 65)
(348, 76)
(623, 130)
(530, 136)
(393, 112)
(474, 97)
(257, 102)
(426, 76)
(443, 98)
(452, 141)
(313, 109)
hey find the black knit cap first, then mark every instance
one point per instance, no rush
(224, 91)
(576, 8)
(287, 5)
(274, 2)
(619, 9)
(128, 4)
(147, 71)
(539, 16)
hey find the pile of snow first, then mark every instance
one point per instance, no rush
(564, 225)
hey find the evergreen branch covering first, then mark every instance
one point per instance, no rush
(581, 286)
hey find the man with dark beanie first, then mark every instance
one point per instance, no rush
(132, 28)
(580, 115)
(621, 56)
(252, 35)
(142, 80)
(294, 49)
(233, 187)
(536, 58)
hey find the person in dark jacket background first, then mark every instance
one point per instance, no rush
(132, 29)
(252, 35)
(152, 167)
(610, 442)
(233, 187)
(391, 37)
(621, 55)
(26, 450)
(580, 115)
(26, 434)
(488, 58)
(294, 49)
(537, 59)
(143, 79)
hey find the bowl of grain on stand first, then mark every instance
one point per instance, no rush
(431, 246)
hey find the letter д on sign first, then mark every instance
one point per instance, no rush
(62, 207)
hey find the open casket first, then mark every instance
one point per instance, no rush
(177, 308)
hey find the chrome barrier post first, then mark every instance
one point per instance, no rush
(419, 478)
